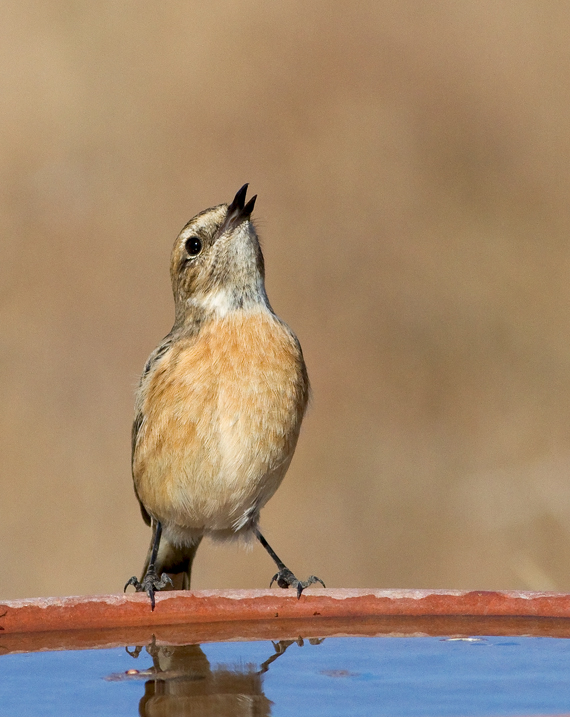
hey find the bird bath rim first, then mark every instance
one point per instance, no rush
(183, 617)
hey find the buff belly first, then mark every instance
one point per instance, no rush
(221, 419)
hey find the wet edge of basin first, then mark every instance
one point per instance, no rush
(182, 617)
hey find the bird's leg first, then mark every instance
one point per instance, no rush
(284, 576)
(151, 582)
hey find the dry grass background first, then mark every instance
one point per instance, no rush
(412, 162)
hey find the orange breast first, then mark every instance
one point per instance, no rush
(222, 413)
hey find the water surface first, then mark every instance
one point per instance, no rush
(337, 677)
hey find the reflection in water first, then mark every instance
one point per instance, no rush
(185, 684)
(182, 682)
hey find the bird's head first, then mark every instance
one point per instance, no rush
(217, 264)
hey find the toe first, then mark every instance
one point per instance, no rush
(314, 579)
(135, 582)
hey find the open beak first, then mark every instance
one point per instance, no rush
(238, 211)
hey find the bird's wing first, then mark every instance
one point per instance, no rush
(157, 354)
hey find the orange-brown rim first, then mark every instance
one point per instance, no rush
(183, 617)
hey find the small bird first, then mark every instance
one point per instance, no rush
(219, 404)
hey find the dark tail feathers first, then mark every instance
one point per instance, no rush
(175, 562)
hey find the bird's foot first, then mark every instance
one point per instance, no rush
(285, 579)
(150, 584)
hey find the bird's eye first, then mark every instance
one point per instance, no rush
(193, 246)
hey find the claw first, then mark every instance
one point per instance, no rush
(135, 582)
(285, 579)
(150, 584)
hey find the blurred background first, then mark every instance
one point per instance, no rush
(412, 162)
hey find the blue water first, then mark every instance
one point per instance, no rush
(352, 677)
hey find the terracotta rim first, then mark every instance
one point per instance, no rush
(182, 617)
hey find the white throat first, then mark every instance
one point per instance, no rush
(223, 301)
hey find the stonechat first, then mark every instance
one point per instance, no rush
(220, 402)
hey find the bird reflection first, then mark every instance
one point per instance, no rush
(182, 682)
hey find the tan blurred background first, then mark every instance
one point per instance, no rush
(412, 162)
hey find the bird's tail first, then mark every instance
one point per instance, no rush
(175, 562)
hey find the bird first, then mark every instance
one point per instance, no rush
(219, 404)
